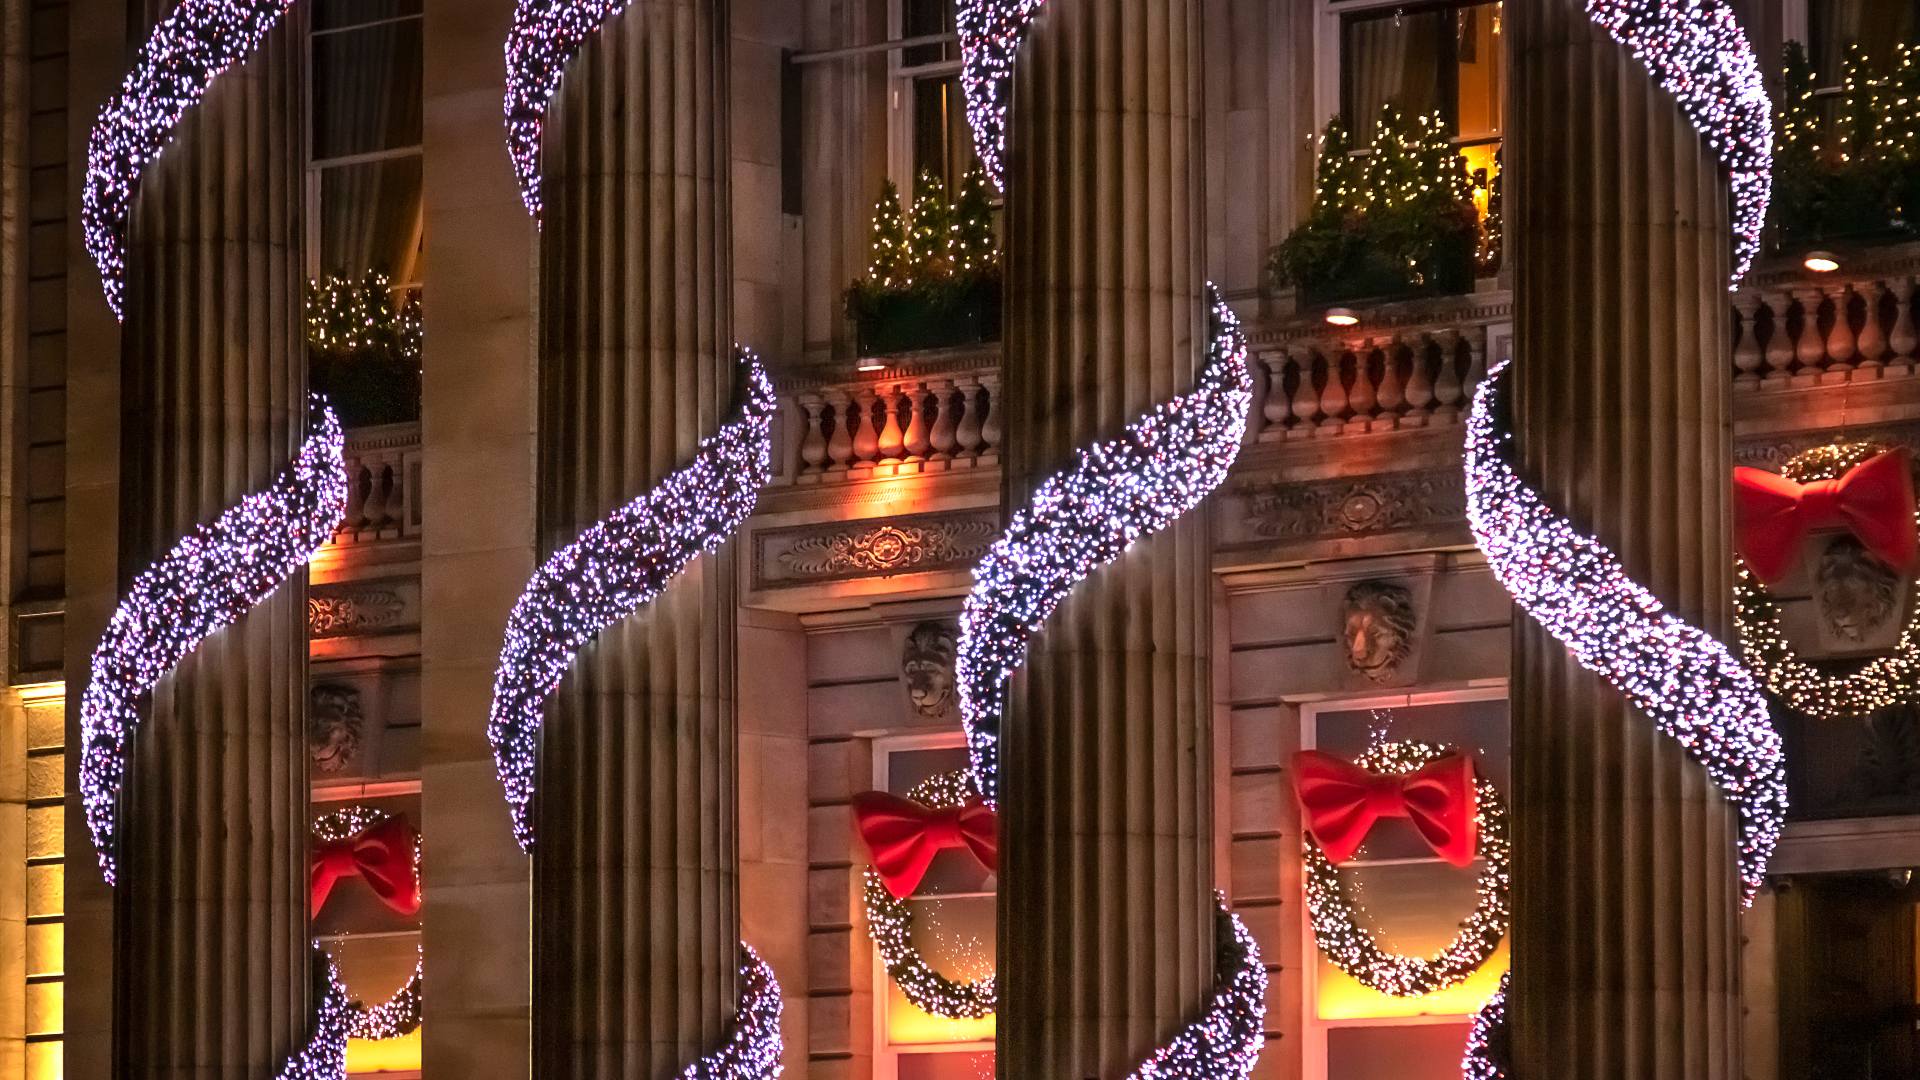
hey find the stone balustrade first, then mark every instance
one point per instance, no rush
(383, 475)
(938, 416)
(1794, 328)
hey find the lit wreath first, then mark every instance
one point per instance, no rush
(890, 925)
(1339, 920)
(400, 1014)
(1867, 687)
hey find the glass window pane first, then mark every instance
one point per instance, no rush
(366, 89)
(942, 142)
(921, 18)
(370, 219)
(333, 14)
(1876, 25)
(1417, 1052)
(1449, 58)
(961, 1066)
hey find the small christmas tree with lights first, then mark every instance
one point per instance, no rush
(363, 347)
(975, 247)
(930, 233)
(1339, 176)
(888, 263)
(1845, 163)
(934, 278)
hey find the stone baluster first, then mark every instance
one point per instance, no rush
(971, 414)
(1448, 392)
(1392, 396)
(1333, 393)
(1811, 346)
(813, 442)
(919, 399)
(1903, 340)
(1306, 399)
(866, 436)
(1277, 405)
(891, 445)
(946, 420)
(1840, 340)
(1364, 395)
(1747, 358)
(1625, 935)
(1476, 359)
(1872, 341)
(1420, 389)
(1780, 353)
(379, 491)
(990, 432)
(840, 443)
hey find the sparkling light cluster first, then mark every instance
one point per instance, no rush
(615, 567)
(1339, 920)
(325, 1055)
(1486, 1037)
(1697, 51)
(1226, 1042)
(400, 1014)
(180, 60)
(546, 36)
(990, 35)
(752, 1051)
(1677, 675)
(212, 577)
(1084, 518)
(890, 925)
(1866, 688)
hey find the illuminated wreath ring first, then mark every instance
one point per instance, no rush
(1826, 695)
(1339, 921)
(890, 925)
(1487, 1038)
(400, 1014)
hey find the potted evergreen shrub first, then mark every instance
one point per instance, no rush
(934, 278)
(363, 349)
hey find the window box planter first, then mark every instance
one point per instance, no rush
(936, 317)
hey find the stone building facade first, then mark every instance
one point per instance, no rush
(710, 171)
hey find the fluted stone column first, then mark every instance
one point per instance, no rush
(1625, 940)
(635, 920)
(212, 954)
(1106, 932)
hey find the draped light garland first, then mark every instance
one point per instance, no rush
(186, 52)
(325, 1055)
(212, 577)
(1339, 920)
(1698, 53)
(752, 1049)
(1675, 674)
(613, 569)
(1079, 520)
(400, 1014)
(1866, 688)
(890, 925)
(990, 35)
(1486, 1054)
(546, 36)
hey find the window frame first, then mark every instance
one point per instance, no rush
(1329, 59)
(1314, 1030)
(902, 79)
(317, 166)
(886, 1053)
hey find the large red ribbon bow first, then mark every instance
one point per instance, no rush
(1341, 802)
(382, 856)
(903, 836)
(1773, 515)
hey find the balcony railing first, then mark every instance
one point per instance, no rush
(1794, 328)
(942, 414)
(383, 477)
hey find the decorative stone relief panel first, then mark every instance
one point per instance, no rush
(916, 544)
(348, 608)
(1266, 510)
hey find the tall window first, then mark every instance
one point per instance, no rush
(929, 111)
(364, 123)
(1448, 58)
(1877, 26)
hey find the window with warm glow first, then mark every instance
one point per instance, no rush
(1414, 902)
(364, 129)
(1448, 58)
(953, 928)
(930, 112)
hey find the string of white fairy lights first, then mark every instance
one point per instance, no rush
(1486, 1053)
(1339, 927)
(1847, 690)
(546, 36)
(1118, 492)
(609, 572)
(186, 52)
(401, 1013)
(890, 926)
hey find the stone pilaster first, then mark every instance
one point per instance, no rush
(635, 868)
(1106, 927)
(1625, 936)
(211, 954)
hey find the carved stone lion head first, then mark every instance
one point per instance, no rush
(1379, 628)
(1856, 595)
(927, 665)
(334, 722)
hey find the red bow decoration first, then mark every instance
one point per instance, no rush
(1341, 802)
(903, 836)
(382, 856)
(1773, 515)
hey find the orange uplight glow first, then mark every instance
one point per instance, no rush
(1341, 317)
(385, 1056)
(1820, 262)
(1340, 997)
